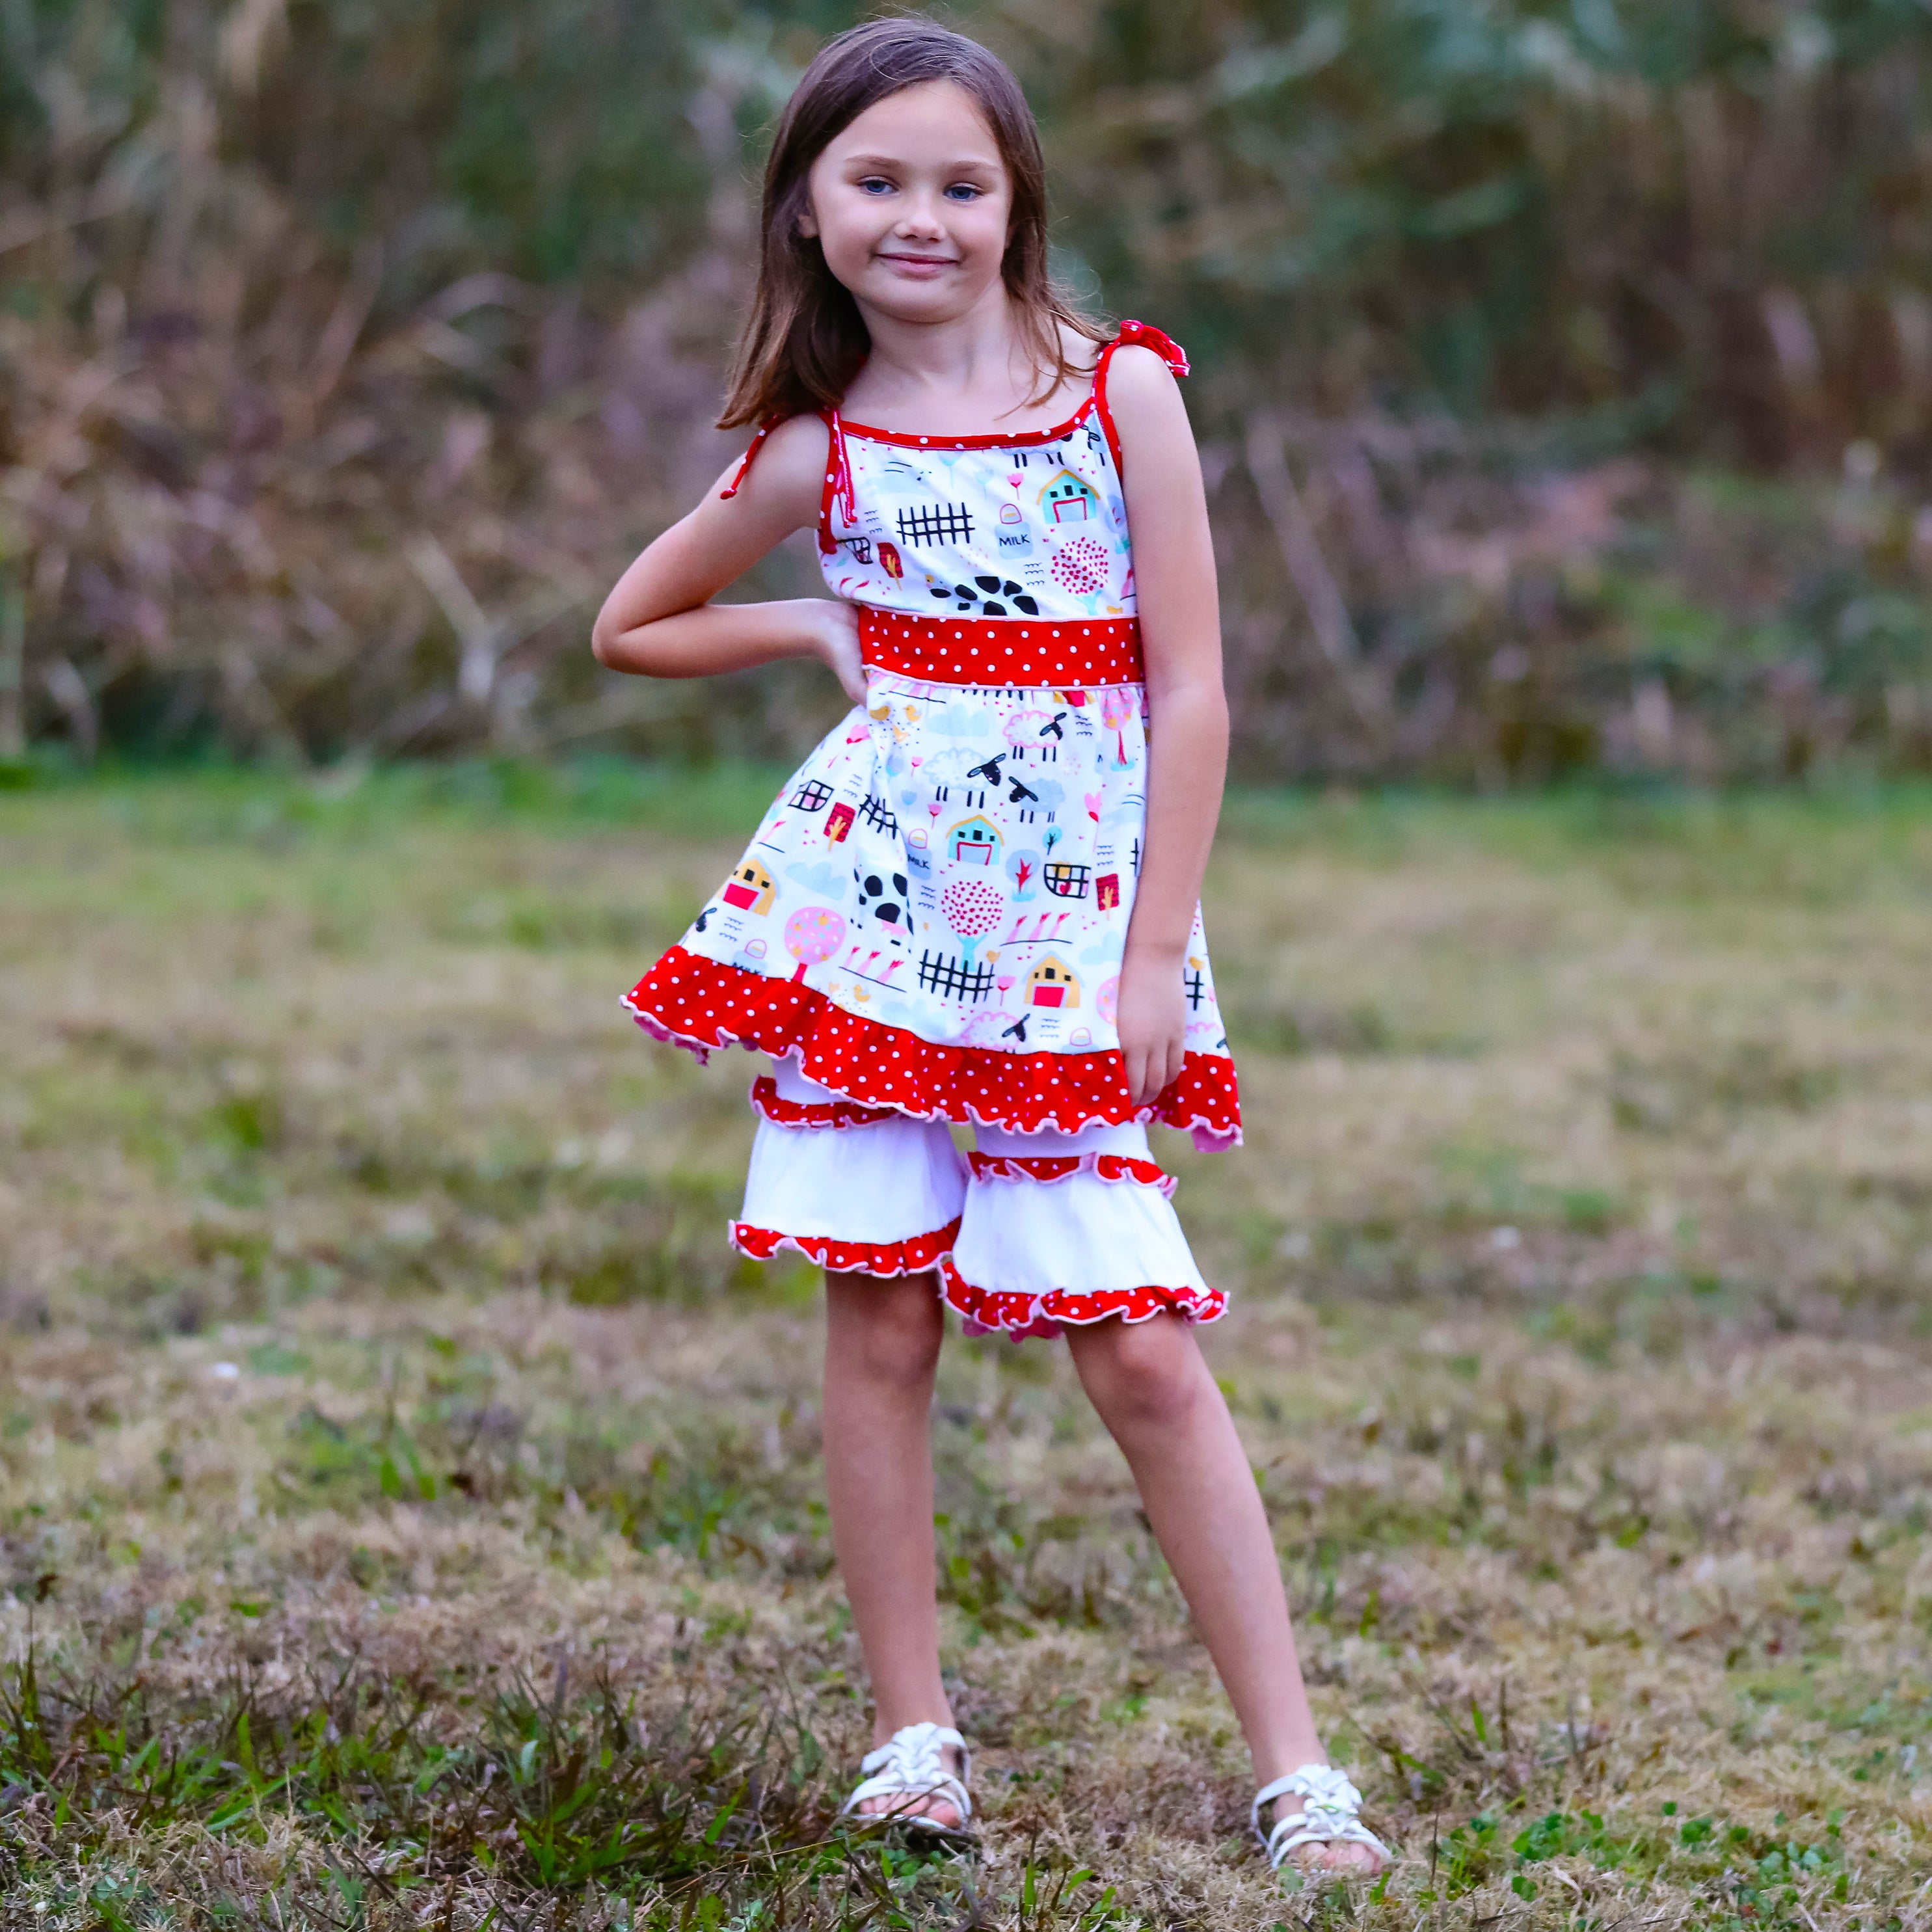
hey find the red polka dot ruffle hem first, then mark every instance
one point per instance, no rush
(767, 1100)
(879, 1258)
(702, 1004)
(1057, 1167)
(986, 1310)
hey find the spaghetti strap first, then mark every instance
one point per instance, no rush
(838, 487)
(1132, 334)
(838, 475)
(743, 469)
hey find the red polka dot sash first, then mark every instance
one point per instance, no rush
(1002, 650)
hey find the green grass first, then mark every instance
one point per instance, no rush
(410, 1511)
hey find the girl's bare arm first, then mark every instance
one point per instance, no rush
(1187, 746)
(660, 621)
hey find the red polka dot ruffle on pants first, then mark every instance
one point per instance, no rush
(885, 1258)
(1062, 1167)
(1021, 1314)
(766, 1100)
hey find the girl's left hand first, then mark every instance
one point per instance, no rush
(1152, 1026)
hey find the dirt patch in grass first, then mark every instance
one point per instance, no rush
(410, 1511)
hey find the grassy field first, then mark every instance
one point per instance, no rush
(410, 1511)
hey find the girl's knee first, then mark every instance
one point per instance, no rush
(1146, 1375)
(888, 1331)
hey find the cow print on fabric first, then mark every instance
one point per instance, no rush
(887, 906)
(980, 595)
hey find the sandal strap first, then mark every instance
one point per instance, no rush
(1330, 1813)
(909, 1765)
(1299, 1832)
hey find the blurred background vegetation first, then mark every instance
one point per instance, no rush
(1564, 367)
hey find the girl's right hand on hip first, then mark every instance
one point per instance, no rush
(835, 643)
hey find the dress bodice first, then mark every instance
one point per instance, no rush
(1018, 525)
(1033, 525)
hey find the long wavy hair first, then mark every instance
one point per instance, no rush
(804, 340)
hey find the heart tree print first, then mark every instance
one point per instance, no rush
(1081, 567)
(972, 907)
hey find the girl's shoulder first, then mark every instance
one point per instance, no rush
(1145, 359)
(1138, 396)
(785, 460)
(1140, 403)
(795, 445)
(1138, 373)
(1137, 360)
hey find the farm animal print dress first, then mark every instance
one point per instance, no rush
(928, 926)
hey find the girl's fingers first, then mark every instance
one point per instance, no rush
(848, 670)
(838, 648)
(1152, 1070)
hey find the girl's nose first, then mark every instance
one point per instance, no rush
(921, 217)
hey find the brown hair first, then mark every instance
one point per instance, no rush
(805, 339)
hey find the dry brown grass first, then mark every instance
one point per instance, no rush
(1579, 1250)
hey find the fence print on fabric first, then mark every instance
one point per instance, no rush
(954, 979)
(943, 523)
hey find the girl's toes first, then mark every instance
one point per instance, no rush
(1344, 1860)
(937, 1810)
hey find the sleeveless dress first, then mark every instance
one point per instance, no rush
(928, 925)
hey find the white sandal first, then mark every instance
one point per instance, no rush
(1331, 1814)
(909, 1766)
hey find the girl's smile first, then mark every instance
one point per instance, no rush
(918, 266)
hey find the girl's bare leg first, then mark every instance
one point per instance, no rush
(881, 1351)
(1154, 1392)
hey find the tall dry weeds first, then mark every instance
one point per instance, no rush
(346, 357)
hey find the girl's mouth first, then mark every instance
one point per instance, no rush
(919, 264)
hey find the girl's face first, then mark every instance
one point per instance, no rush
(911, 204)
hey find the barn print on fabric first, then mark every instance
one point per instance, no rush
(933, 913)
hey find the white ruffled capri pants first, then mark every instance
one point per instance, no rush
(1028, 1232)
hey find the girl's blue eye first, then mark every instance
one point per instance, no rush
(965, 191)
(873, 184)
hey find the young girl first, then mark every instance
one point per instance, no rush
(977, 900)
